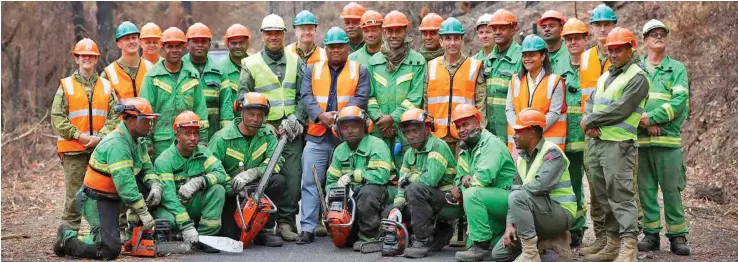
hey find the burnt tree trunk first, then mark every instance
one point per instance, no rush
(187, 7)
(105, 34)
(78, 19)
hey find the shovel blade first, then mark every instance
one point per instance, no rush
(222, 243)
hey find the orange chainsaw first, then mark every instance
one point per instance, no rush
(252, 215)
(157, 242)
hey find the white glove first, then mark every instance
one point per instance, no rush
(343, 181)
(400, 202)
(192, 186)
(291, 126)
(243, 178)
(146, 218)
(154, 197)
(190, 235)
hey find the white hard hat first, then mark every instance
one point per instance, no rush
(653, 24)
(483, 20)
(273, 23)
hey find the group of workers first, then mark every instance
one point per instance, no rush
(434, 133)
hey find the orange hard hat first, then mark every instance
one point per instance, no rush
(86, 47)
(463, 111)
(552, 14)
(199, 30)
(431, 22)
(350, 113)
(371, 18)
(186, 119)
(395, 19)
(173, 34)
(530, 117)
(503, 17)
(135, 106)
(150, 30)
(574, 26)
(621, 36)
(237, 30)
(251, 100)
(352, 11)
(417, 116)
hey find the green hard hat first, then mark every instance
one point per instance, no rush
(451, 26)
(124, 29)
(335, 35)
(533, 43)
(305, 18)
(603, 13)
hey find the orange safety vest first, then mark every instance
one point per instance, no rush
(317, 55)
(86, 116)
(445, 92)
(348, 80)
(99, 181)
(542, 101)
(590, 70)
(124, 86)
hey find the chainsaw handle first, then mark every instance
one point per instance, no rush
(274, 207)
(353, 213)
(240, 212)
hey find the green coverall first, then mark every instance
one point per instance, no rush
(660, 159)
(75, 163)
(559, 58)
(361, 56)
(492, 170)
(210, 81)
(170, 96)
(206, 205)
(499, 68)
(231, 73)
(394, 93)
(370, 165)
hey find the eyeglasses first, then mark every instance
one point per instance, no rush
(657, 34)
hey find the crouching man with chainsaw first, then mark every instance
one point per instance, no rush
(427, 173)
(192, 172)
(363, 163)
(245, 148)
(119, 165)
(485, 174)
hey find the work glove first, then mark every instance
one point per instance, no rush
(146, 219)
(190, 235)
(292, 128)
(400, 202)
(154, 197)
(404, 181)
(244, 178)
(192, 186)
(343, 181)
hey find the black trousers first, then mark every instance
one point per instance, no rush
(103, 243)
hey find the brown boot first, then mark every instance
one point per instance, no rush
(560, 245)
(608, 253)
(530, 251)
(628, 251)
(599, 244)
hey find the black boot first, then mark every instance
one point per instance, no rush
(650, 242)
(480, 251)
(305, 238)
(418, 249)
(265, 238)
(679, 246)
(59, 244)
(444, 233)
(576, 238)
(207, 249)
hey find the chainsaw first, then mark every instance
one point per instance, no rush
(393, 236)
(339, 219)
(160, 241)
(252, 215)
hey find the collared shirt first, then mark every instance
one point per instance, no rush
(547, 176)
(305, 55)
(532, 84)
(616, 112)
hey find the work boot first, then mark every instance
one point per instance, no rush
(679, 245)
(576, 238)
(357, 245)
(530, 251)
(207, 249)
(628, 250)
(268, 238)
(562, 246)
(442, 238)
(607, 253)
(285, 231)
(480, 251)
(650, 242)
(418, 249)
(305, 238)
(599, 244)
(320, 230)
(59, 244)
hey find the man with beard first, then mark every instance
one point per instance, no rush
(237, 39)
(431, 48)
(551, 24)
(351, 16)
(151, 42)
(198, 45)
(397, 81)
(305, 24)
(173, 87)
(127, 73)
(371, 26)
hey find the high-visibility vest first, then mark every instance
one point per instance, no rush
(562, 192)
(590, 70)
(626, 130)
(317, 55)
(445, 92)
(99, 181)
(281, 96)
(541, 100)
(124, 86)
(87, 116)
(348, 80)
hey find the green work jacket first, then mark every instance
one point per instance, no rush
(488, 163)
(499, 69)
(230, 73)
(210, 81)
(574, 110)
(434, 165)
(667, 105)
(370, 163)
(361, 56)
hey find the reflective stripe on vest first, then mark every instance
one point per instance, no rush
(348, 80)
(562, 192)
(87, 117)
(318, 55)
(281, 96)
(589, 71)
(124, 86)
(541, 100)
(626, 130)
(445, 92)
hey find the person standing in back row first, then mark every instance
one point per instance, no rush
(371, 26)
(306, 25)
(351, 16)
(237, 39)
(127, 73)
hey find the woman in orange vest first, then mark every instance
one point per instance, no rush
(80, 123)
(537, 86)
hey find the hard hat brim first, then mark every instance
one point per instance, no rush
(428, 28)
(654, 28)
(129, 33)
(393, 25)
(335, 43)
(273, 29)
(86, 53)
(350, 17)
